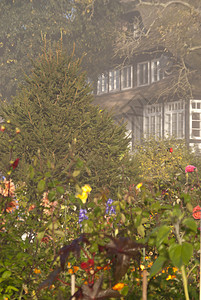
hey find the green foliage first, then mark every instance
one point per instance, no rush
(56, 117)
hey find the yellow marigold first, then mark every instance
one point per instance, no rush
(118, 286)
(170, 277)
(37, 271)
(142, 267)
(175, 269)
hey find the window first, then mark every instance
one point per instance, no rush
(153, 120)
(195, 119)
(102, 85)
(156, 73)
(127, 77)
(114, 80)
(174, 119)
(143, 74)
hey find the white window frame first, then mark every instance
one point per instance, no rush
(155, 68)
(174, 113)
(146, 73)
(102, 84)
(195, 108)
(127, 81)
(152, 121)
(114, 80)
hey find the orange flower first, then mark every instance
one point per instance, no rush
(118, 286)
(75, 268)
(31, 207)
(37, 271)
(11, 206)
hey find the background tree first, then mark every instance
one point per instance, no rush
(23, 25)
(173, 27)
(54, 109)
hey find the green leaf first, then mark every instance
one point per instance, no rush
(32, 172)
(138, 220)
(157, 266)
(40, 235)
(141, 230)
(180, 254)
(51, 195)
(190, 223)
(76, 173)
(41, 186)
(60, 189)
(124, 291)
(189, 207)
(9, 288)
(6, 274)
(162, 234)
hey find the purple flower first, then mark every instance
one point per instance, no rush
(82, 215)
(110, 209)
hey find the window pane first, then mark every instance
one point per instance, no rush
(126, 77)
(174, 124)
(143, 75)
(114, 80)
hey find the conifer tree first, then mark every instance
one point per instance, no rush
(53, 110)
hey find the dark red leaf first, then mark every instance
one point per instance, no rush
(51, 278)
(74, 247)
(123, 249)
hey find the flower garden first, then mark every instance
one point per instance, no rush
(78, 243)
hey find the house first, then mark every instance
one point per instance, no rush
(140, 92)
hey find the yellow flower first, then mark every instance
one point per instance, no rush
(170, 277)
(138, 186)
(174, 269)
(142, 267)
(118, 286)
(86, 189)
(37, 271)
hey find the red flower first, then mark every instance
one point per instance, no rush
(90, 262)
(87, 265)
(171, 150)
(84, 265)
(190, 169)
(15, 164)
(197, 212)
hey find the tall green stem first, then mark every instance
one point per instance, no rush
(185, 282)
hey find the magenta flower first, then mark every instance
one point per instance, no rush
(190, 169)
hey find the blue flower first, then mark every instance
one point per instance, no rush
(82, 215)
(110, 209)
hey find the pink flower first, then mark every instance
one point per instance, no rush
(190, 168)
(197, 212)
